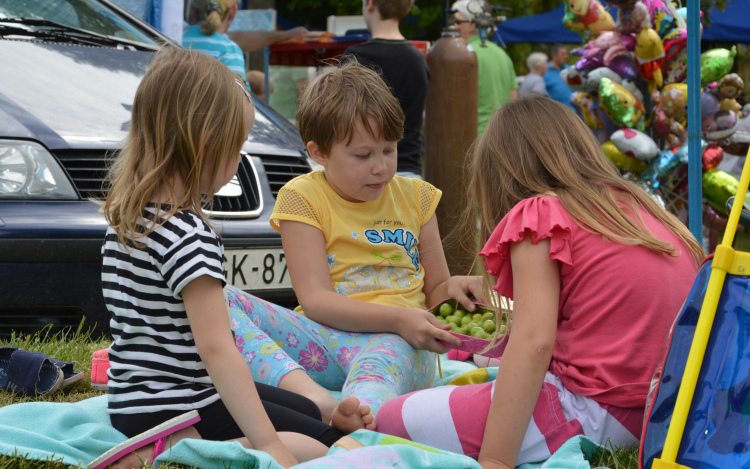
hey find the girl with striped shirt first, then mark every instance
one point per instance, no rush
(163, 274)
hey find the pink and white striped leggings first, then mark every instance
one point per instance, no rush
(453, 418)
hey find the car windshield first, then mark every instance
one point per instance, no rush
(90, 15)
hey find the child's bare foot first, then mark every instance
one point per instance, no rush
(349, 416)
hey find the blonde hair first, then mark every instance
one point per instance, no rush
(558, 156)
(188, 115)
(208, 18)
(333, 103)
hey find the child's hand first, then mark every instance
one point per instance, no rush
(279, 452)
(460, 287)
(421, 329)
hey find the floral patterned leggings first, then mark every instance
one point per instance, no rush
(372, 367)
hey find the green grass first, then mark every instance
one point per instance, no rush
(78, 346)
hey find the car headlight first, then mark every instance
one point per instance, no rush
(29, 171)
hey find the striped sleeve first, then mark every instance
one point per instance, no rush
(198, 252)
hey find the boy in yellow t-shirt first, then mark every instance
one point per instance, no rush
(365, 258)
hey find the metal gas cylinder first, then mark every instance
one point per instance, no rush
(450, 129)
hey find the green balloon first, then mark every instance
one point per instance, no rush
(718, 187)
(716, 63)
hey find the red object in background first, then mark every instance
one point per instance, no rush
(310, 54)
(712, 156)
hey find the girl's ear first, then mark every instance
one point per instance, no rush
(318, 156)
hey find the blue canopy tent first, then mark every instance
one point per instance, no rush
(730, 25)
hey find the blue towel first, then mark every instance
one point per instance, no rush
(77, 433)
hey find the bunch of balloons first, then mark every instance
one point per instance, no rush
(629, 84)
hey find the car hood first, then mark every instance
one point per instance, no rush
(71, 96)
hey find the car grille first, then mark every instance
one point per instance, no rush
(281, 170)
(88, 170)
(28, 321)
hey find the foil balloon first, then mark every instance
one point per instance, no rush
(649, 57)
(574, 79)
(718, 187)
(675, 67)
(594, 78)
(585, 64)
(631, 86)
(719, 125)
(621, 160)
(622, 3)
(663, 19)
(739, 142)
(713, 220)
(624, 67)
(609, 127)
(650, 191)
(584, 104)
(682, 152)
(716, 63)
(730, 87)
(709, 104)
(669, 119)
(620, 104)
(632, 20)
(636, 144)
(583, 15)
(665, 163)
(711, 157)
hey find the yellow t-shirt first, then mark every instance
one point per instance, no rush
(371, 246)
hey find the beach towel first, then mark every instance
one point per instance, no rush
(77, 433)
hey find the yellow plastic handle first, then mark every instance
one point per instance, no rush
(703, 330)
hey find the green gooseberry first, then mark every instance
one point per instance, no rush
(445, 310)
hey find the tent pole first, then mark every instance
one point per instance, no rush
(695, 183)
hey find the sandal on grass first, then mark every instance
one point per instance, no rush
(30, 374)
(70, 376)
(158, 434)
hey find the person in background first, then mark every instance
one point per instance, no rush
(257, 81)
(209, 22)
(533, 83)
(288, 83)
(497, 78)
(556, 87)
(404, 70)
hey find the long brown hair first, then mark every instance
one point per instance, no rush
(535, 146)
(188, 114)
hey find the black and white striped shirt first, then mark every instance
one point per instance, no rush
(155, 364)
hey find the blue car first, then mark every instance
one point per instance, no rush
(70, 72)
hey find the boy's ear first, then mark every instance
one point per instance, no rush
(316, 154)
(369, 5)
(233, 12)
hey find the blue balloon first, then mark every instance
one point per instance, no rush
(659, 167)
(682, 152)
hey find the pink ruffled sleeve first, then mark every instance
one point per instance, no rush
(543, 217)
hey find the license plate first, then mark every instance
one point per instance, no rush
(256, 269)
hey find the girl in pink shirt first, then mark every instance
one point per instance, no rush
(597, 271)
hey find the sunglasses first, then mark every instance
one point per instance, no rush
(242, 85)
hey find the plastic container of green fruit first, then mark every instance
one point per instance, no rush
(451, 311)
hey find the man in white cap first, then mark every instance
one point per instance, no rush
(497, 78)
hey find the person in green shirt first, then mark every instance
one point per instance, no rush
(287, 82)
(497, 78)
